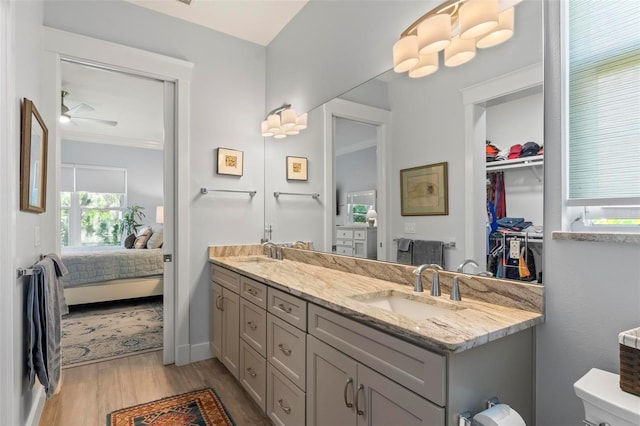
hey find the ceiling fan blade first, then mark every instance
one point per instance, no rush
(97, 120)
(81, 107)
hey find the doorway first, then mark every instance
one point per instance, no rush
(175, 75)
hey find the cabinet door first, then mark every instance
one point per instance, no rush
(383, 402)
(231, 331)
(331, 377)
(253, 326)
(215, 316)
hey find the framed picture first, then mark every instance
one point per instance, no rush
(296, 168)
(33, 160)
(229, 162)
(423, 190)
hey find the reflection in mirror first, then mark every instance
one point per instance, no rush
(444, 117)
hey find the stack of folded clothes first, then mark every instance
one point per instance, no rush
(514, 223)
(528, 149)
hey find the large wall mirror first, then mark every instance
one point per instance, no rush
(361, 140)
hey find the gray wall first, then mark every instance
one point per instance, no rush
(355, 171)
(28, 45)
(592, 289)
(145, 170)
(226, 107)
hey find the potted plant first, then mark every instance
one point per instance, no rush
(130, 220)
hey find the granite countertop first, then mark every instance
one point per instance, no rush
(455, 327)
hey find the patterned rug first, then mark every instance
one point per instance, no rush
(102, 331)
(197, 408)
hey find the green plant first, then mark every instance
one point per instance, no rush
(130, 218)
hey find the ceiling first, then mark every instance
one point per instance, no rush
(257, 21)
(135, 103)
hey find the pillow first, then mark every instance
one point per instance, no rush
(128, 242)
(156, 239)
(142, 237)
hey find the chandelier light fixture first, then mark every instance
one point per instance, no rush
(282, 122)
(456, 27)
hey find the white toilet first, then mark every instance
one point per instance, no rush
(604, 402)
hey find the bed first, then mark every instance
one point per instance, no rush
(99, 274)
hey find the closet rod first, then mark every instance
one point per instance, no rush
(205, 191)
(313, 195)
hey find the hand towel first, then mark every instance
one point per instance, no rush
(425, 252)
(405, 251)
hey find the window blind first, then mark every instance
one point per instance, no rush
(604, 103)
(93, 179)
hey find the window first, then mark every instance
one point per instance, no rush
(92, 200)
(604, 111)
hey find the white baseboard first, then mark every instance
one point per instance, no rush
(36, 408)
(183, 355)
(200, 351)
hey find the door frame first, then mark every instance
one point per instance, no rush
(340, 108)
(59, 45)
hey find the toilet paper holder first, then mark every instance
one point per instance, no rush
(464, 419)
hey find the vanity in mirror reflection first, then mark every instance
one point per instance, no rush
(448, 117)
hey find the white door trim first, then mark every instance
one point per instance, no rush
(382, 120)
(60, 45)
(9, 383)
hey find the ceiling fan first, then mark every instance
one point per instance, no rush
(68, 114)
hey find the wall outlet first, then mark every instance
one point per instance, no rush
(514, 249)
(409, 228)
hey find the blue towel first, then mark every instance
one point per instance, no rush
(45, 306)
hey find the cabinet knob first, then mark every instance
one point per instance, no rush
(252, 325)
(284, 349)
(252, 291)
(251, 372)
(285, 308)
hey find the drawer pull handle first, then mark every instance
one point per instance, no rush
(251, 372)
(588, 423)
(252, 291)
(358, 410)
(284, 407)
(252, 325)
(346, 386)
(219, 303)
(285, 308)
(284, 349)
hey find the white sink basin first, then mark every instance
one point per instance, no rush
(405, 304)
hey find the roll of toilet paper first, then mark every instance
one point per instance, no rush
(498, 415)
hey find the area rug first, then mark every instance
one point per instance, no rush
(197, 408)
(98, 332)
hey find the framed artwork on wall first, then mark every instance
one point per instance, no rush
(297, 168)
(229, 162)
(33, 160)
(423, 190)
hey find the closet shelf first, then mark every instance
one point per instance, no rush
(516, 163)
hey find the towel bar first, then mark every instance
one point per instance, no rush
(313, 195)
(451, 244)
(21, 272)
(205, 191)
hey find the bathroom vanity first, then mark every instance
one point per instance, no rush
(314, 344)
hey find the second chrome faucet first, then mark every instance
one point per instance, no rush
(435, 282)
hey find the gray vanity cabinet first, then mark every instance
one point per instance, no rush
(225, 318)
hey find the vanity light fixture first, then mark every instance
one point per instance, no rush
(456, 27)
(282, 122)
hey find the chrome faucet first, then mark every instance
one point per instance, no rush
(455, 290)
(467, 262)
(300, 245)
(435, 283)
(272, 249)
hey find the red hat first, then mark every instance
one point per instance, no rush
(514, 151)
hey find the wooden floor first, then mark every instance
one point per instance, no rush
(91, 391)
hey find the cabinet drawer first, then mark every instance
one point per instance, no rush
(286, 349)
(360, 234)
(289, 308)
(347, 243)
(347, 251)
(254, 291)
(285, 401)
(344, 233)
(225, 278)
(253, 326)
(420, 370)
(253, 374)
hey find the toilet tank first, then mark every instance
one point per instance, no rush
(605, 402)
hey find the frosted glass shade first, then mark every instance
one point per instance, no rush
(273, 123)
(64, 118)
(434, 34)
(264, 129)
(477, 17)
(428, 64)
(292, 131)
(159, 214)
(501, 33)
(288, 119)
(405, 53)
(301, 122)
(459, 52)
(279, 134)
